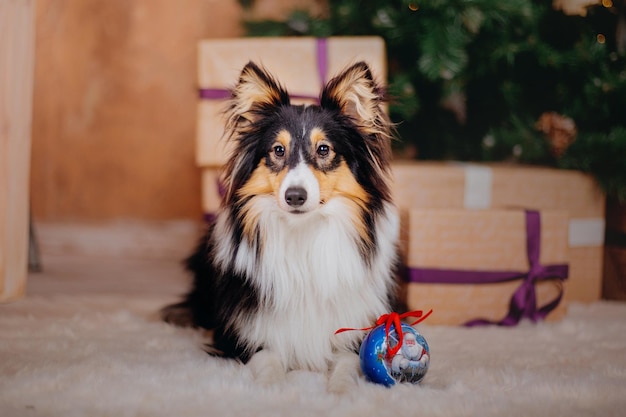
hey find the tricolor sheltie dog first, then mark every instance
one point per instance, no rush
(306, 238)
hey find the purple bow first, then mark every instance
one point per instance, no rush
(322, 67)
(524, 301)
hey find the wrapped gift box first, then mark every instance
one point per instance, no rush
(432, 185)
(302, 65)
(467, 264)
(211, 192)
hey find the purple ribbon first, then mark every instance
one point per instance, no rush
(211, 217)
(322, 68)
(524, 300)
(213, 93)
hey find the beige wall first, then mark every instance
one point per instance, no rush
(115, 106)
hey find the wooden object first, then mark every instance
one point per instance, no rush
(16, 97)
(447, 185)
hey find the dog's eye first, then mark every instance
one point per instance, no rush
(323, 150)
(279, 151)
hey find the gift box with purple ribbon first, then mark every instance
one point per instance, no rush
(303, 65)
(486, 266)
(453, 185)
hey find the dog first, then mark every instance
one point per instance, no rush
(306, 238)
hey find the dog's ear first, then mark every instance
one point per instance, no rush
(355, 93)
(256, 93)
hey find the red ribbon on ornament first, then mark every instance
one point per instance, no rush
(393, 319)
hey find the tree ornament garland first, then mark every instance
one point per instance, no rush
(560, 131)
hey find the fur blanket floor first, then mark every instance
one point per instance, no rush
(103, 352)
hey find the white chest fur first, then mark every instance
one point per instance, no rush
(312, 279)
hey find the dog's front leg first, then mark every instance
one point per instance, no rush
(344, 373)
(266, 367)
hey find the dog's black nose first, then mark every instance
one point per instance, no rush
(295, 196)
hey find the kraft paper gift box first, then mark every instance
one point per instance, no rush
(498, 266)
(301, 64)
(211, 192)
(480, 186)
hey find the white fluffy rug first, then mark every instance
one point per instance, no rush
(106, 354)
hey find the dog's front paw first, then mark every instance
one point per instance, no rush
(266, 368)
(343, 376)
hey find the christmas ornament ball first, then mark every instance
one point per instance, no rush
(409, 364)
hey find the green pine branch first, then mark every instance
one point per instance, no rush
(512, 61)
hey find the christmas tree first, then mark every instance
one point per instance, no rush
(484, 80)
